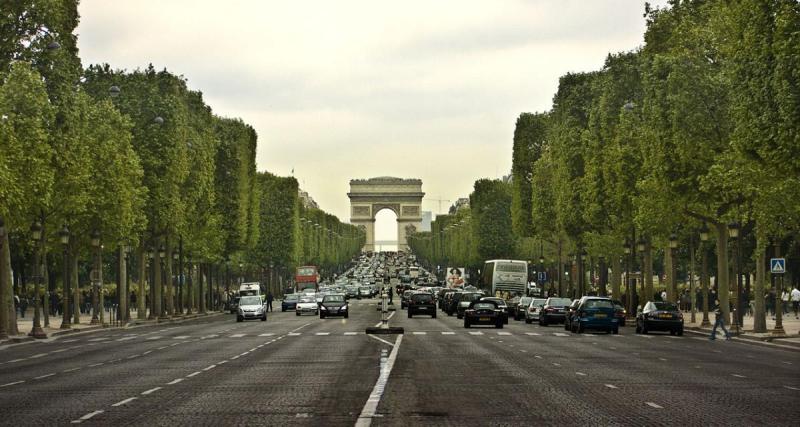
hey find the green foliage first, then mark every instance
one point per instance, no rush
(490, 204)
(529, 138)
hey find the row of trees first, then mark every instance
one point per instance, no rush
(138, 161)
(696, 132)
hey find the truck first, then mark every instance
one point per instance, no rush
(306, 278)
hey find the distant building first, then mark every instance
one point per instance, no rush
(306, 200)
(462, 202)
(427, 217)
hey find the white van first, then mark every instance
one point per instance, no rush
(250, 288)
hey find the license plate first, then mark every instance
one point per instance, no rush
(483, 319)
(600, 315)
(666, 316)
(423, 308)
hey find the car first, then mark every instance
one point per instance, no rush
(251, 308)
(352, 291)
(483, 312)
(501, 303)
(306, 304)
(404, 298)
(521, 308)
(289, 302)
(568, 315)
(512, 304)
(553, 311)
(660, 316)
(595, 313)
(534, 310)
(620, 312)
(463, 300)
(364, 292)
(233, 305)
(421, 303)
(333, 305)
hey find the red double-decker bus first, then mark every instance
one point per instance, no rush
(306, 277)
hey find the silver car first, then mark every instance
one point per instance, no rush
(307, 304)
(251, 307)
(534, 309)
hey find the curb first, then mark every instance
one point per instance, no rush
(767, 341)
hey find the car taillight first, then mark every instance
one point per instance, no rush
(532, 309)
(549, 310)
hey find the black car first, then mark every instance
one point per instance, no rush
(463, 301)
(570, 314)
(553, 311)
(233, 305)
(333, 305)
(501, 303)
(522, 305)
(619, 312)
(289, 302)
(483, 312)
(404, 298)
(660, 316)
(421, 303)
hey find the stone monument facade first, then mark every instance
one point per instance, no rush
(402, 196)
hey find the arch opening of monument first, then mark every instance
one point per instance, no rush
(385, 230)
(401, 196)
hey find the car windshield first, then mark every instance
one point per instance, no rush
(291, 297)
(308, 299)
(525, 300)
(333, 298)
(598, 303)
(497, 301)
(250, 301)
(538, 302)
(422, 298)
(559, 301)
(483, 305)
(665, 306)
(470, 297)
(248, 292)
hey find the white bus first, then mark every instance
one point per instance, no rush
(505, 275)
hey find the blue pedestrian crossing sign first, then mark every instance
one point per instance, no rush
(777, 265)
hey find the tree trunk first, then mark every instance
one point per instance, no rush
(668, 270)
(122, 287)
(141, 299)
(723, 281)
(201, 288)
(157, 283)
(169, 293)
(647, 270)
(8, 313)
(616, 277)
(759, 312)
(76, 288)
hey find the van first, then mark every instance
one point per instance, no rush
(250, 288)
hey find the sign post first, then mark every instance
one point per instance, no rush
(777, 266)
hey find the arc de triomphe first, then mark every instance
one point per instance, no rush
(402, 196)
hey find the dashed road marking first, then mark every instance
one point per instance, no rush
(122, 402)
(504, 333)
(181, 337)
(294, 334)
(96, 364)
(222, 362)
(175, 381)
(72, 340)
(59, 350)
(662, 359)
(523, 351)
(36, 356)
(44, 376)
(71, 370)
(237, 335)
(537, 356)
(268, 334)
(580, 373)
(419, 333)
(610, 385)
(98, 339)
(351, 333)
(152, 390)
(208, 368)
(791, 388)
(322, 333)
(154, 338)
(133, 356)
(147, 352)
(738, 376)
(448, 333)
(193, 374)
(10, 384)
(556, 364)
(476, 333)
(86, 417)
(560, 334)
(161, 348)
(653, 405)
(235, 357)
(533, 334)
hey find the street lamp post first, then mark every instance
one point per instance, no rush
(161, 288)
(733, 233)
(3, 311)
(673, 285)
(176, 296)
(36, 237)
(704, 234)
(626, 248)
(151, 256)
(66, 322)
(641, 245)
(95, 239)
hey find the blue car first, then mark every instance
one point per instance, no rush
(596, 313)
(289, 302)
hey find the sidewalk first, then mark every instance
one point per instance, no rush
(26, 324)
(791, 327)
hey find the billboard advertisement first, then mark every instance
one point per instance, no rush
(455, 277)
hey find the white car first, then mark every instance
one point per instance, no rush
(251, 307)
(307, 304)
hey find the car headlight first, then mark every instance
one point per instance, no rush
(344, 307)
(322, 307)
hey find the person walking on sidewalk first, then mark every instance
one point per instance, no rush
(785, 300)
(719, 322)
(795, 300)
(270, 298)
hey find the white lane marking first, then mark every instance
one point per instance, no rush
(126, 339)
(420, 333)
(533, 334)
(322, 333)
(86, 417)
(208, 368)
(560, 334)
(504, 333)
(59, 351)
(791, 388)
(787, 363)
(15, 361)
(236, 335)
(580, 373)
(99, 339)
(235, 357)
(147, 352)
(644, 336)
(122, 402)
(180, 337)
(381, 340)
(253, 349)
(387, 318)
(154, 338)
(72, 340)
(476, 333)
(371, 406)
(662, 359)
(448, 333)
(268, 334)
(351, 333)
(193, 374)
(10, 384)
(653, 405)
(44, 376)
(300, 327)
(738, 376)
(523, 351)
(610, 385)
(36, 356)
(161, 348)
(537, 356)
(222, 362)
(175, 381)
(556, 364)
(71, 370)
(152, 390)
(96, 364)
(294, 334)
(133, 356)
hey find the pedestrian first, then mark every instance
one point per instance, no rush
(269, 300)
(770, 297)
(391, 295)
(23, 306)
(785, 297)
(719, 322)
(663, 295)
(795, 301)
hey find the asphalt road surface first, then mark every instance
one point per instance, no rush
(307, 371)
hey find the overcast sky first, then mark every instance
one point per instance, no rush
(358, 89)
